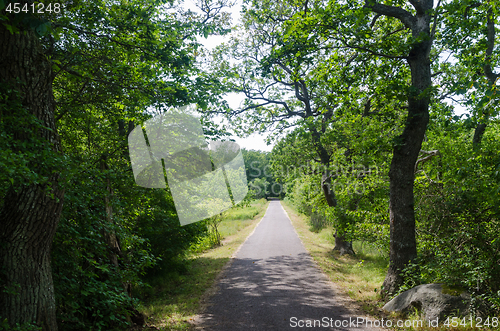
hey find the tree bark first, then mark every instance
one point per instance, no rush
(341, 244)
(478, 135)
(491, 76)
(403, 246)
(29, 215)
(110, 237)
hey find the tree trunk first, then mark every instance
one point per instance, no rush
(478, 135)
(110, 237)
(343, 246)
(326, 183)
(491, 76)
(29, 215)
(403, 246)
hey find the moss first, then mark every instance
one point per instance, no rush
(452, 290)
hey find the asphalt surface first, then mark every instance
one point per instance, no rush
(273, 284)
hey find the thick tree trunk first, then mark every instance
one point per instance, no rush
(403, 246)
(29, 214)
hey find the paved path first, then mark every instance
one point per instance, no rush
(272, 284)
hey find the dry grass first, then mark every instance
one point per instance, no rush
(361, 276)
(358, 276)
(172, 303)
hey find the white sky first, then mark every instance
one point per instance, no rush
(255, 141)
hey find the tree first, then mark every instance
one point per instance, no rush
(360, 175)
(347, 31)
(108, 59)
(31, 208)
(289, 79)
(473, 76)
(402, 173)
(370, 36)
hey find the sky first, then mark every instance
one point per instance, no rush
(255, 141)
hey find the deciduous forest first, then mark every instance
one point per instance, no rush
(383, 115)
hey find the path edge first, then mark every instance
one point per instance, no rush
(214, 288)
(344, 299)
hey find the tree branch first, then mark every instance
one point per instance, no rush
(267, 101)
(79, 93)
(427, 158)
(433, 33)
(474, 5)
(490, 40)
(104, 36)
(404, 16)
(373, 52)
(375, 18)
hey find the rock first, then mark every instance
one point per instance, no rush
(433, 300)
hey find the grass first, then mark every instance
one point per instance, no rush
(237, 219)
(361, 276)
(173, 300)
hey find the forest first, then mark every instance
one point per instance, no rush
(383, 116)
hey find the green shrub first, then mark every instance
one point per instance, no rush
(458, 216)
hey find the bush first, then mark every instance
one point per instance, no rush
(92, 293)
(458, 216)
(167, 240)
(90, 290)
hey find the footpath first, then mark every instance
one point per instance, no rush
(273, 284)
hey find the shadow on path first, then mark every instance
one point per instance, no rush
(273, 284)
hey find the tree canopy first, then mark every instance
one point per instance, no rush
(384, 116)
(346, 84)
